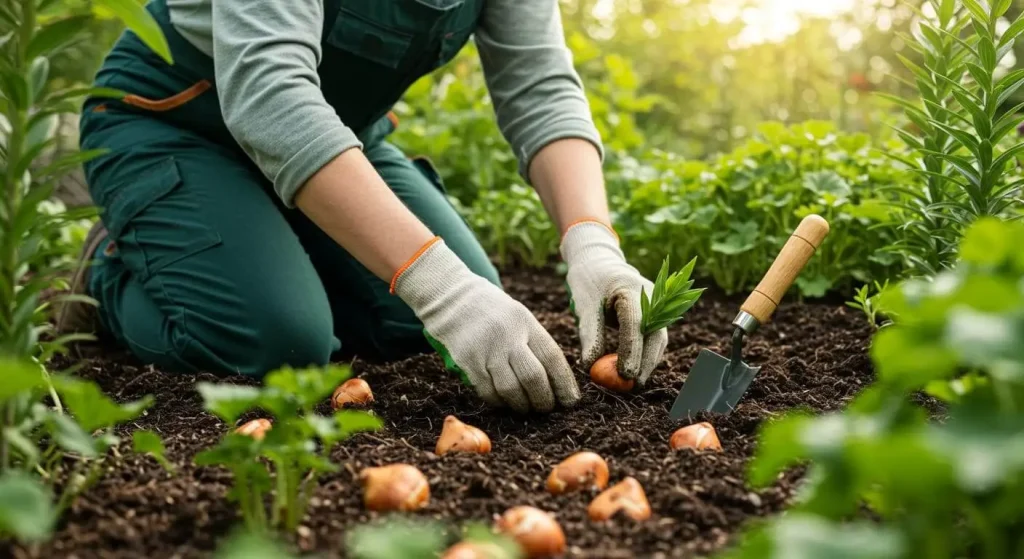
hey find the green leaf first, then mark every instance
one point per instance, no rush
(76, 93)
(19, 377)
(1013, 31)
(999, 7)
(980, 75)
(26, 507)
(137, 19)
(68, 162)
(148, 442)
(396, 537)
(1008, 85)
(228, 401)
(779, 447)
(72, 438)
(803, 536)
(984, 448)
(1005, 157)
(54, 35)
(670, 299)
(307, 387)
(92, 408)
(38, 73)
(252, 545)
(354, 421)
(976, 9)
(909, 362)
(947, 8)
(20, 444)
(234, 450)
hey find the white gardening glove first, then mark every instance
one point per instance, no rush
(600, 280)
(493, 342)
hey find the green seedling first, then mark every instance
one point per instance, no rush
(50, 456)
(670, 299)
(297, 447)
(868, 303)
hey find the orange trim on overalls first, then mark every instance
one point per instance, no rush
(393, 118)
(172, 102)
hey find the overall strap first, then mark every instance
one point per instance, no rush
(331, 9)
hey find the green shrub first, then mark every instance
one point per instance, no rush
(961, 135)
(949, 489)
(733, 212)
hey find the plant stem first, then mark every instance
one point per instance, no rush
(8, 420)
(281, 495)
(244, 498)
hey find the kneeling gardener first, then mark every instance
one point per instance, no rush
(254, 214)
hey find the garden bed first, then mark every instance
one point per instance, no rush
(812, 355)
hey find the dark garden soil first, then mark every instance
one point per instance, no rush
(812, 355)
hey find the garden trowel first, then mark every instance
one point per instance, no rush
(717, 383)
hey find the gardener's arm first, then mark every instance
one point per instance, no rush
(543, 113)
(541, 107)
(265, 55)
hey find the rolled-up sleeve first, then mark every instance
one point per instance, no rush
(266, 54)
(537, 94)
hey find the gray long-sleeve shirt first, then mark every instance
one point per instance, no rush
(266, 54)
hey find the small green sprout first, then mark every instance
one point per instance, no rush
(671, 298)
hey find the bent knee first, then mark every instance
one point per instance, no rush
(265, 342)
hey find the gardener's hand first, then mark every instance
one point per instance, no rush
(491, 340)
(600, 280)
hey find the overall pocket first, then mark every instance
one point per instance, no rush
(154, 222)
(411, 35)
(359, 35)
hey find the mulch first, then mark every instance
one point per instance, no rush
(812, 355)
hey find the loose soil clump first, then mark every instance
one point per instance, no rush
(812, 355)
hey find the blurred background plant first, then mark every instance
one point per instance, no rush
(774, 108)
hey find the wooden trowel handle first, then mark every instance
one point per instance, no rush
(787, 266)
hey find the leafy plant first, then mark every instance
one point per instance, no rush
(290, 446)
(37, 438)
(399, 538)
(941, 489)
(959, 129)
(670, 298)
(47, 452)
(867, 302)
(736, 212)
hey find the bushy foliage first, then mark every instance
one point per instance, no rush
(949, 489)
(961, 133)
(54, 431)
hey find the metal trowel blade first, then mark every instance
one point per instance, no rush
(705, 387)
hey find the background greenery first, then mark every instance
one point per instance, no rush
(725, 121)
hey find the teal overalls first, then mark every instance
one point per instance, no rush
(207, 270)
